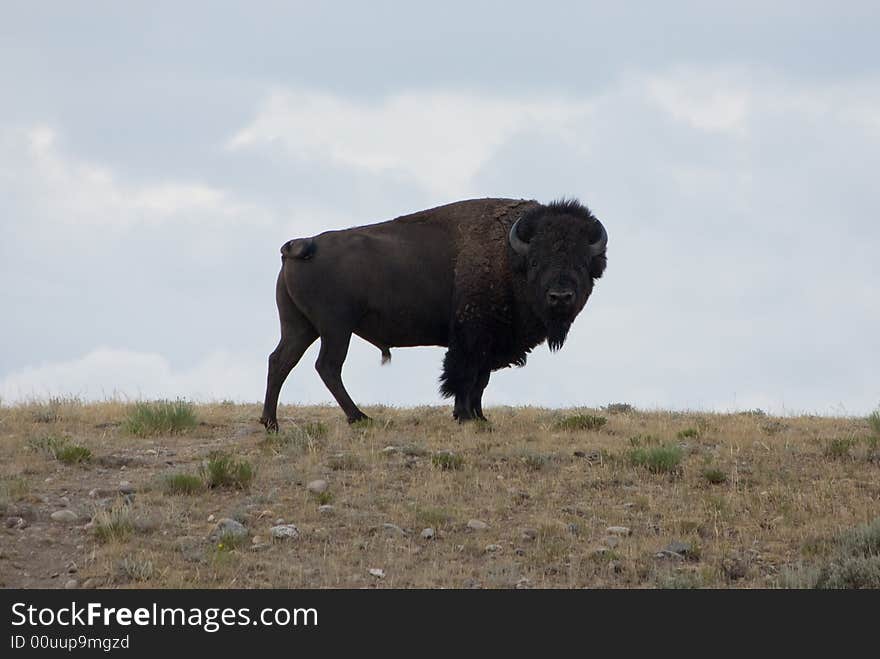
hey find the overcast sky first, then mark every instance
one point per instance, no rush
(154, 156)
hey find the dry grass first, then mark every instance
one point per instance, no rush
(760, 501)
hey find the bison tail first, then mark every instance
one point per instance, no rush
(386, 356)
(298, 248)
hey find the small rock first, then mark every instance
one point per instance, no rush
(16, 522)
(428, 533)
(125, 487)
(477, 525)
(256, 540)
(262, 546)
(317, 486)
(64, 501)
(618, 530)
(285, 532)
(610, 541)
(90, 583)
(211, 517)
(326, 509)
(491, 549)
(66, 516)
(677, 550)
(393, 530)
(678, 547)
(529, 534)
(279, 521)
(376, 572)
(390, 449)
(93, 493)
(227, 526)
(71, 584)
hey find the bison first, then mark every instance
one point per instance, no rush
(489, 279)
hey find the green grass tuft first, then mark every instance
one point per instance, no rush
(135, 569)
(580, 422)
(838, 449)
(60, 448)
(433, 517)
(657, 459)
(853, 561)
(163, 417)
(324, 498)
(112, 524)
(182, 484)
(49, 444)
(344, 462)
(447, 460)
(874, 422)
(688, 433)
(714, 475)
(532, 460)
(73, 454)
(224, 470)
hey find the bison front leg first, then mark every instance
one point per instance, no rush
(461, 377)
(334, 348)
(476, 397)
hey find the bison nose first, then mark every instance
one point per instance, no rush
(560, 297)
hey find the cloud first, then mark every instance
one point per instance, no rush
(438, 138)
(109, 372)
(706, 102)
(740, 204)
(73, 192)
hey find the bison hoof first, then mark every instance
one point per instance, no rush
(270, 424)
(359, 418)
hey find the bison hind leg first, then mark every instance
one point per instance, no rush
(386, 355)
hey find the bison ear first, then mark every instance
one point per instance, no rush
(597, 266)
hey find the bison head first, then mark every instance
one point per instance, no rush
(560, 250)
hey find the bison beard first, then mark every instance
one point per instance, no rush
(557, 330)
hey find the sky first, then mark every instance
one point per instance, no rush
(155, 155)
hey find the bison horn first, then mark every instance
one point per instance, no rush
(519, 246)
(598, 247)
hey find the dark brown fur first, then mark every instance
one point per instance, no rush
(445, 276)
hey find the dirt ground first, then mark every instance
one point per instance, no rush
(526, 502)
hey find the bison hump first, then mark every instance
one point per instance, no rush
(298, 248)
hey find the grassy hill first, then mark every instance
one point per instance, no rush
(130, 495)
